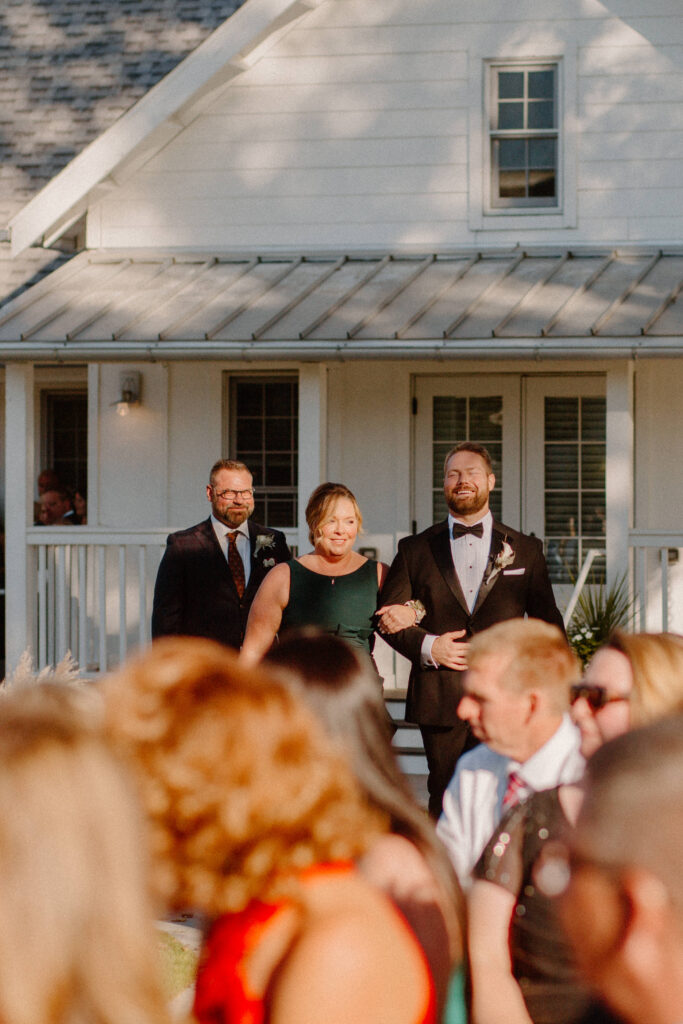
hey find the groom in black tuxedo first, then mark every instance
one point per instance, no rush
(468, 573)
(210, 573)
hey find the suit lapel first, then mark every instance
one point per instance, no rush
(256, 566)
(440, 543)
(498, 535)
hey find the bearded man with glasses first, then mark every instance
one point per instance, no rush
(210, 573)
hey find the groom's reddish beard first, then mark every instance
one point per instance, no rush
(467, 504)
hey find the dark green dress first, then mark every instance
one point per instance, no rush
(341, 605)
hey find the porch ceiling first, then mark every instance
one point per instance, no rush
(483, 303)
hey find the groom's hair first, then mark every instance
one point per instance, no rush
(470, 446)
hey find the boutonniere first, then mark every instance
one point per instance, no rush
(505, 557)
(263, 540)
(268, 563)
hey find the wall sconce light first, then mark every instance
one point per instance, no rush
(130, 384)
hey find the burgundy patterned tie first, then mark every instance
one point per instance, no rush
(235, 562)
(517, 790)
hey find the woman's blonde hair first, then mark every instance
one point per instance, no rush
(238, 778)
(656, 661)
(77, 942)
(320, 505)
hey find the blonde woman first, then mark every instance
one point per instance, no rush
(77, 942)
(256, 823)
(332, 587)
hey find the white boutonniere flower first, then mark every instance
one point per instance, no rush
(268, 563)
(505, 557)
(264, 540)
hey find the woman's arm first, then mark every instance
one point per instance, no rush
(496, 996)
(265, 614)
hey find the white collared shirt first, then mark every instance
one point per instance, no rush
(470, 555)
(243, 542)
(473, 801)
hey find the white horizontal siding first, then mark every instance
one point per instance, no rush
(353, 131)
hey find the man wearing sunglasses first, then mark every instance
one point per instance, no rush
(623, 905)
(210, 573)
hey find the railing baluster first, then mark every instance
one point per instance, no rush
(142, 599)
(51, 605)
(664, 561)
(102, 605)
(82, 607)
(123, 639)
(42, 606)
(642, 586)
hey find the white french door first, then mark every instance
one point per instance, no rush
(546, 436)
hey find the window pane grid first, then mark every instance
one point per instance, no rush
(265, 436)
(574, 485)
(524, 137)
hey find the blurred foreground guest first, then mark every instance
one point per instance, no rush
(77, 942)
(623, 908)
(256, 822)
(516, 701)
(521, 964)
(409, 863)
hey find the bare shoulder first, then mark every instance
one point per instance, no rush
(355, 961)
(396, 866)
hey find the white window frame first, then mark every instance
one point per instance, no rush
(483, 214)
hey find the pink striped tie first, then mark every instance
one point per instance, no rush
(517, 790)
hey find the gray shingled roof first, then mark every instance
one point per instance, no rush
(70, 68)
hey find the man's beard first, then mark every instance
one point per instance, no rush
(232, 517)
(467, 504)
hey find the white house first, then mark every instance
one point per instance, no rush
(339, 236)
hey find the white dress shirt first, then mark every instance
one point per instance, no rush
(470, 555)
(473, 801)
(242, 541)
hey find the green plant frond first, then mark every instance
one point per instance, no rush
(599, 611)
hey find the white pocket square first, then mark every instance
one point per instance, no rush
(513, 572)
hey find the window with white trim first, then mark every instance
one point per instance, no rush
(524, 139)
(264, 434)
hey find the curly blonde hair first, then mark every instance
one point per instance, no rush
(239, 781)
(321, 504)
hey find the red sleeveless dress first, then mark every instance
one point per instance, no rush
(223, 994)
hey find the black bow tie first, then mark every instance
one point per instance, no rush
(459, 530)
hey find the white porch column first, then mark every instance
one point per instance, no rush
(19, 474)
(619, 473)
(312, 439)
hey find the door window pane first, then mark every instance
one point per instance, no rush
(574, 485)
(264, 435)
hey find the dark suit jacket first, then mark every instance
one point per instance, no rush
(195, 594)
(423, 568)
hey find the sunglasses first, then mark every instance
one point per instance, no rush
(595, 696)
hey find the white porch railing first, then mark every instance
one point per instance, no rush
(94, 589)
(93, 592)
(657, 579)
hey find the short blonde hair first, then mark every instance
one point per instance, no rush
(77, 941)
(539, 657)
(321, 503)
(239, 781)
(656, 661)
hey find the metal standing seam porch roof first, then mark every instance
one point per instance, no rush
(496, 304)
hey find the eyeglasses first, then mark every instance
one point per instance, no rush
(232, 495)
(595, 696)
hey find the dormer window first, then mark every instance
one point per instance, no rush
(524, 136)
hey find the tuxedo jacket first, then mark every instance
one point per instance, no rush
(423, 568)
(195, 594)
